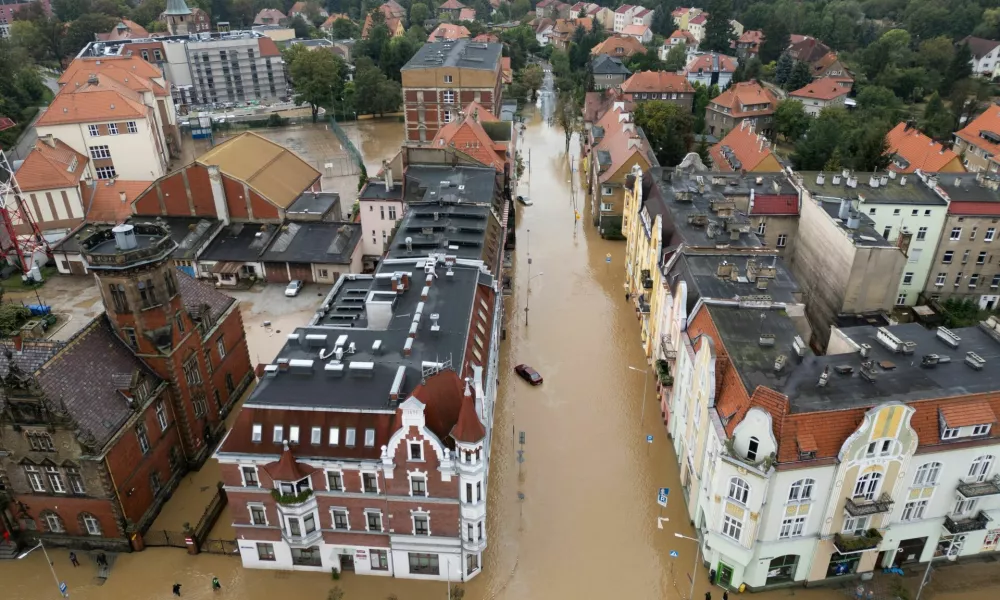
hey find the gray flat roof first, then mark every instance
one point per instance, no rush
(319, 243)
(864, 235)
(427, 183)
(906, 380)
(690, 198)
(456, 229)
(464, 54)
(240, 242)
(190, 233)
(701, 272)
(892, 192)
(971, 187)
(313, 203)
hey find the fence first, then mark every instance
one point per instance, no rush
(227, 547)
(160, 538)
(349, 147)
(211, 514)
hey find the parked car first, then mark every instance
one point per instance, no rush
(294, 287)
(524, 200)
(528, 374)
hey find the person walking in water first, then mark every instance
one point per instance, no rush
(708, 595)
(177, 589)
(216, 586)
(72, 559)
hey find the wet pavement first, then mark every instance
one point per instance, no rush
(587, 525)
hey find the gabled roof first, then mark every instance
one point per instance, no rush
(918, 150)
(638, 30)
(741, 150)
(824, 62)
(467, 14)
(448, 31)
(197, 295)
(746, 93)
(608, 65)
(393, 8)
(807, 49)
(131, 72)
(825, 88)
(622, 140)
(275, 172)
(658, 82)
(104, 202)
(51, 164)
(699, 19)
(451, 5)
(624, 8)
(124, 30)
(686, 36)
(269, 15)
(96, 106)
(333, 19)
(984, 131)
(629, 46)
(287, 468)
(979, 47)
(469, 137)
(711, 62)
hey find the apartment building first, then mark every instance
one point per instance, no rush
(382, 469)
(677, 38)
(616, 145)
(9, 9)
(964, 264)
(745, 101)
(659, 85)
(979, 141)
(747, 45)
(443, 77)
(985, 55)
(619, 46)
(608, 72)
(802, 469)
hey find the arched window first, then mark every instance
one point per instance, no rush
(52, 522)
(752, 448)
(867, 485)
(981, 467)
(801, 490)
(739, 490)
(89, 523)
(927, 474)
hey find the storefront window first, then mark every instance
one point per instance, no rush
(843, 565)
(782, 569)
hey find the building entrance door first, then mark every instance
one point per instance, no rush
(725, 575)
(346, 562)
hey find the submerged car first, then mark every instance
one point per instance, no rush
(528, 374)
(294, 287)
(525, 200)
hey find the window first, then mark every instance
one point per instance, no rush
(792, 527)
(895, 212)
(369, 483)
(424, 564)
(907, 278)
(93, 130)
(293, 434)
(392, 213)
(606, 190)
(369, 438)
(191, 373)
(939, 280)
(921, 233)
(867, 485)
(118, 297)
(54, 523)
(981, 467)
(981, 260)
(91, 524)
(132, 127)
(914, 212)
(316, 437)
(106, 173)
(913, 511)
(855, 525)
(449, 116)
(40, 441)
(55, 480)
(739, 490)
(154, 482)
(871, 211)
(334, 481)
(879, 448)
(380, 559)
(996, 281)
(334, 436)
(762, 227)
(349, 437)
(607, 206)
(732, 527)
(75, 480)
(279, 433)
(946, 259)
(447, 78)
(471, 563)
(113, 128)
(140, 434)
(956, 233)
(989, 234)
(965, 256)
(257, 516)
(374, 520)
(250, 477)
(965, 506)
(479, 491)
(479, 526)
(752, 448)
(156, 53)
(948, 434)
(34, 478)
(886, 232)
(416, 451)
(265, 551)
(973, 280)
(958, 279)
(256, 433)
(421, 525)
(99, 152)
(927, 474)
(418, 486)
(220, 345)
(980, 430)
(782, 240)
(801, 490)
(972, 234)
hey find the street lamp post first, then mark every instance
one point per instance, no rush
(927, 571)
(48, 560)
(527, 295)
(645, 384)
(697, 557)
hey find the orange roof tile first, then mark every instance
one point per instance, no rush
(51, 164)
(621, 141)
(920, 151)
(469, 137)
(451, 5)
(268, 47)
(705, 64)
(333, 18)
(824, 88)
(629, 46)
(749, 148)
(106, 204)
(658, 82)
(124, 30)
(91, 107)
(806, 442)
(467, 14)
(448, 31)
(988, 122)
(968, 414)
(746, 93)
(130, 71)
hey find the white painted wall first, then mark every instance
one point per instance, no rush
(375, 218)
(135, 155)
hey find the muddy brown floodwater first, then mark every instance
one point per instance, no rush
(586, 528)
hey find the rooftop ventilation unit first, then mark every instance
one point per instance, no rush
(377, 347)
(824, 376)
(334, 367)
(799, 346)
(300, 365)
(434, 322)
(865, 350)
(316, 339)
(270, 370)
(408, 346)
(888, 339)
(946, 336)
(975, 361)
(779, 363)
(361, 368)
(396, 391)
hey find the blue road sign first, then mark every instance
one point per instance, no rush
(649, 439)
(661, 496)
(673, 554)
(607, 258)
(62, 587)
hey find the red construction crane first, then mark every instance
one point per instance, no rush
(20, 239)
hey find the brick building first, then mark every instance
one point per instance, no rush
(443, 77)
(93, 448)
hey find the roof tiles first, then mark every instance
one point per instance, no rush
(918, 150)
(51, 164)
(968, 414)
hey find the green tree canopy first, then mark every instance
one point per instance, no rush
(676, 58)
(669, 129)
(83, 30)
(791, 120)
(718, 31)
(317, 77)
(375, 93)
(418, 13)
(344, 29)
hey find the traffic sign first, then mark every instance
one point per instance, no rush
(62, 587)
(607, 258)
(649, 439)
(673, 554)
(661, 496)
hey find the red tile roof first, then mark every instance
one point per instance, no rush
(333, 19)
(92, 107)
(629, 46)
(129, 71)
(974, 208)
(776, 204)
(698, 20)
(469, 137)
(269, 16)
(287, 468)
(268, 47)
(746, 93)
(920, 151)
(704, 64)
(451, 5)
(968, 414)
(467, 14)
(48, 166)
(124, 30)
(469, 428)
(657, 81)
(448, 31)
(989, 121)
(825, 88)
(106, 204)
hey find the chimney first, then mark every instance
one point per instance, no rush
(18, 341)
(902, 180)
(873, 181)
(845, 209)
(48, 140)
(932, 181)
(884, 180)
(122, 197)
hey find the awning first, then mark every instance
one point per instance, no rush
(225, 268)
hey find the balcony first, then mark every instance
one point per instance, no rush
(667, 347)
(644, 304)
(852, 544)
(302, 541)
(977, 523)
(859, 507)
(663, 373)
(647, 280)
(978, 489)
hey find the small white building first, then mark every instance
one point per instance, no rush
(985, 56)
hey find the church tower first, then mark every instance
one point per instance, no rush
(179, 18)
(138, 283)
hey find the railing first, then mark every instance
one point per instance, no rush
(349, 146)
(977, 523)
(643, 304)
(857, 507)
(852, 544)
(667, 346)
(977, 489)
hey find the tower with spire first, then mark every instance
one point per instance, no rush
(178, 17)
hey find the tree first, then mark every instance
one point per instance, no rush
(776, 39)
(418, 13)
(520, 8)
(676, 58)
(148, 11)
(800, 77)
(876, 103)
(301, 27)
(399, 52)
(937, 122)
(83, 31)
(668, 127)
(703, 151)
(791, 120)
(378, 94)
(531, 77)
(871, 148)
(567, 113)
(824, 136)
(718, 31)
(317, 77)
(936, 54)
(70, 10)
(959, 69)
(343, 29)
(783, 70)
(26, 35)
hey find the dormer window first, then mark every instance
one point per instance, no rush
(969, 419)
(292, 488)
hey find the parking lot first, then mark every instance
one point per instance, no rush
(267, 314)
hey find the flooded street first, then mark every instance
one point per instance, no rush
(587, 525)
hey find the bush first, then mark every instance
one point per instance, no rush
(12, 316)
